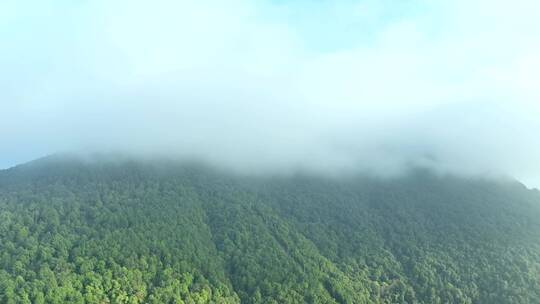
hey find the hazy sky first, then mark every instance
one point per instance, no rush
(330, 86)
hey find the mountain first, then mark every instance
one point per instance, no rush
(126, 231)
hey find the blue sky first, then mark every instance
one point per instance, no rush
(325, 85)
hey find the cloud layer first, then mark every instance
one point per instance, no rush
(269, 85)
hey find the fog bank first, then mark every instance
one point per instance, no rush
(269, 86)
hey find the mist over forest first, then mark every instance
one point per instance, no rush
(370, 86)
(269, 152)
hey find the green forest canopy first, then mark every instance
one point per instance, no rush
(163, 232)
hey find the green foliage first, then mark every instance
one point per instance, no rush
(126, 232)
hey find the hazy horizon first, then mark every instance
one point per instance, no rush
(372, 86)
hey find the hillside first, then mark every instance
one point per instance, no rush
(162, 232)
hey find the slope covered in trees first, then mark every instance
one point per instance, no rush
(160, 232)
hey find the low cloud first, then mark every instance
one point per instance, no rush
(266, 85)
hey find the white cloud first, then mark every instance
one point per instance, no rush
(254, 84)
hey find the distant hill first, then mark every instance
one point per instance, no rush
(121, 231)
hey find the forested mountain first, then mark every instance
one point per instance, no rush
(104, 231)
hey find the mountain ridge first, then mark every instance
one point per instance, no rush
(151, 232)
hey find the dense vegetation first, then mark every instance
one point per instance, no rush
(140, 232)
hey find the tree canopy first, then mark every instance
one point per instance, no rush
(163, 232)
